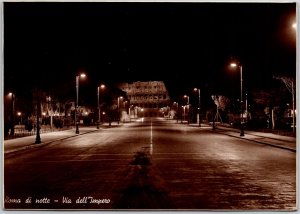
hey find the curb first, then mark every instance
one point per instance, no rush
(235, 130)
(44, 143)
(256, 141)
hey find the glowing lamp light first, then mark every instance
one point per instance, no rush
(233, 64)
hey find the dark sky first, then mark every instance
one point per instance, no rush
(186, 45)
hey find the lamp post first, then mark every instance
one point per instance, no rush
(198, 89)
(38, 96)
(130, 112)
(142, 110)
(124, 103)
(119, 109)
(76, 111)
(241, 116)
(12, 130)
(246, 108)
(48, 99)
(188, 106)
(176, 110)
(188, 99)
(99, 110)
(20, 117)
(183, 112)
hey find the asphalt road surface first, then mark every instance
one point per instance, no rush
(151, 164)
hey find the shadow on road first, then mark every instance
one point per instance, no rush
(143, 189)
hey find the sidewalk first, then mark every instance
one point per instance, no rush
(280, 141)
(23, 143)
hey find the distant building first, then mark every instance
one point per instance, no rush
(149, 98)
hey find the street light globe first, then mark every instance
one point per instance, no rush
(102, 86)
(83, 75)
(19, 113)
(294, 25)
(233, 64)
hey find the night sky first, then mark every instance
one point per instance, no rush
(186, 45)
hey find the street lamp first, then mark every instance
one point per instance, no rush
(234, 65)
(38, 96)
(124, 103)
(12, 130)
(119, 109)
(48, 99)
(183, 112)
(198, 89)
(188, 106)
(246, 108)
(130, 112)
(188, 99)
(77, 90)
(20, 118)
(175, 103)
(142, 110)
(99, 112)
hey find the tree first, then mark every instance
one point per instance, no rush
(222, 103)
(268, 106)
(291, 86)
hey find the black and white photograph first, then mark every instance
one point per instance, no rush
(149, 106)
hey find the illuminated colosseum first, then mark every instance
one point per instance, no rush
(147, 98)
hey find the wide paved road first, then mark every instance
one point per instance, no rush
(152, 164)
